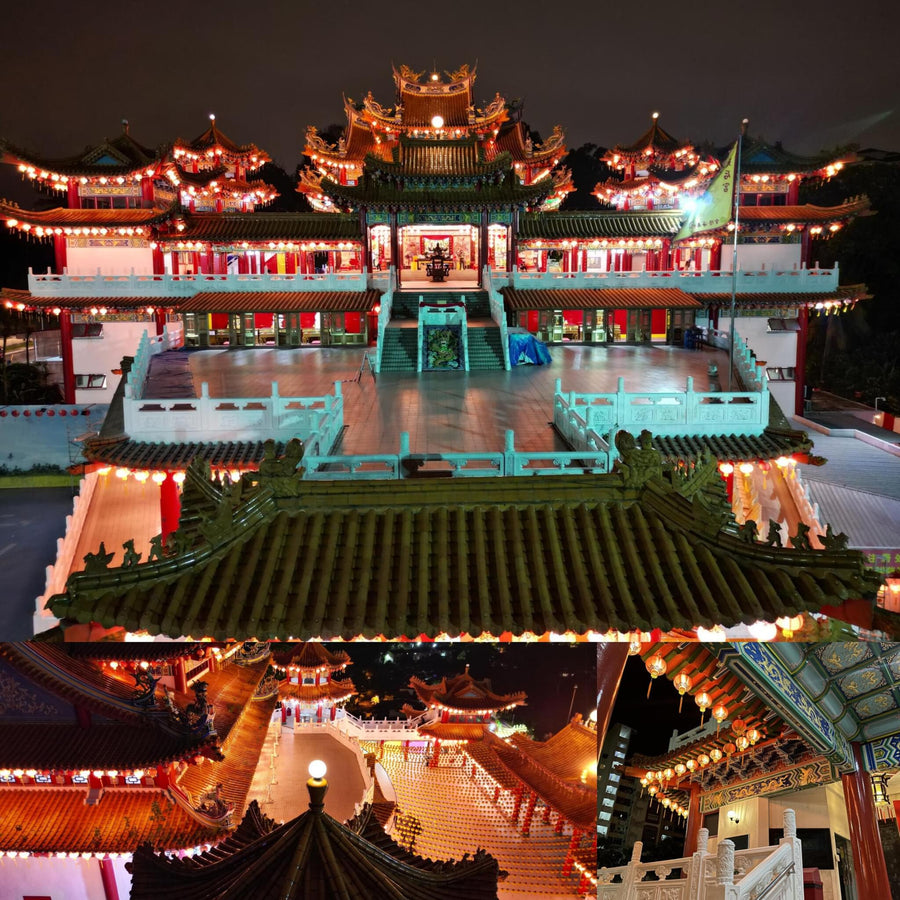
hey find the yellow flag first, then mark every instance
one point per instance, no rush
(714, 207)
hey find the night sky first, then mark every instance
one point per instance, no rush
(810, 74)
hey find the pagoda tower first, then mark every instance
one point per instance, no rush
(458, 709)
(310, 693)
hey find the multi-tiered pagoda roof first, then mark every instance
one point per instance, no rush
(432, 149)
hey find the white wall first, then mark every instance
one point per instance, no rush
(91, 356)
(59, 879)
(753, 257)
(81, 260)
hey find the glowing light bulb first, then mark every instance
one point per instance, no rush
(317, 769)
(437, 122)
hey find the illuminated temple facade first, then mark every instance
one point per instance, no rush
(180, 235)
(436, 218)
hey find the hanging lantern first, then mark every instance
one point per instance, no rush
(680, 769)
(652, 790)
(634, 647)
(703, 760)
(754, 735)
(715, 754)
(720, 714)
(738, 726)
(691, 764)
(682, 684)
(666, 802)
(789, 624)
(729, 748)
(668, 774)
(656, 666)
(742, 743)
(704, 701)
(880, 794)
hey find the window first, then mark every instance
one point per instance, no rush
(90, 382)
(612, 789)
(608, 801)
(619, 754)
(87, 329)
(780, 326)
(614, 776)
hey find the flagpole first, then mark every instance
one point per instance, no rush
(737, 206)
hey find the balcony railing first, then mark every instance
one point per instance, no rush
(756, 281)
(132, 285)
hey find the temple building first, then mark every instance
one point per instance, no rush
(436, 246)
(310, 690)
(795, 756)
(109, 747)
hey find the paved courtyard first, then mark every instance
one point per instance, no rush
(442, 411)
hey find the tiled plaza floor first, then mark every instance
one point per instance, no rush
(446, 411)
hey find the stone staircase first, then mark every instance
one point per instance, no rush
(485, 351)
(399, 352)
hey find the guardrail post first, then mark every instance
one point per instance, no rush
(510, 465)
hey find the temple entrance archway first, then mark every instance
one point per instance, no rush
(459, 243)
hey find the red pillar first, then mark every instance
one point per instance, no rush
(865, 839)
(435, 756)
(108, 877)
(159, 266)
(169, 507)
(333, 713)
(180, 677)
(611, 658)
(74, 201)
(693, 821)
(800, 369)
(59, 253)
(68, 366)
(715, 257)
(159, 318)
(529, 813)
(147, 193)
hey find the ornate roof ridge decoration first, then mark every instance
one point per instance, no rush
(760, 156)
(241, 525)
(310, 857)
(654, 143)
(409, 81)
(131, 155)
(462, 693)
(315, 655)
(43, 223)
(214, 144)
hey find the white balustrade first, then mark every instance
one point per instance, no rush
(725, 875)
(103, 285)
(584, 419)
(717, 281)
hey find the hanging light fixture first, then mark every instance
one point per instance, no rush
(738, 726)
(704, 701)
(703, 760)
(715, 754)
(742, 742)
(656, 666)
(680, 769)
(720, 714)
(691, 764)
(754, 735)
(789, 624)
(682, 682)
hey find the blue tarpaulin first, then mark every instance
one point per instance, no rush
(526, 349)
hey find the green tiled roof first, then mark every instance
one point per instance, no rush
(600, 224)
(375, 194)
(268, 226)
(476, 556)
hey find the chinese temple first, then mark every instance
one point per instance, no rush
(799, 738)
(585, 561)
(458, 709)
(310, 690)
(107, 748)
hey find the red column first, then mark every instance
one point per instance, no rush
(169, 507)
(68, 366)
(290, 263)
(180, 676)
(800, 369)
(59, 252)
(865, 839)
(159, 318)
(333, 713)
(243, 264)
(319, 712)
(175, 266)
(74, 201)
(529, 813)
(693, 821)
(715, 257)
(159, 266)
(611, 658)
(147, 193)
(435, 756)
